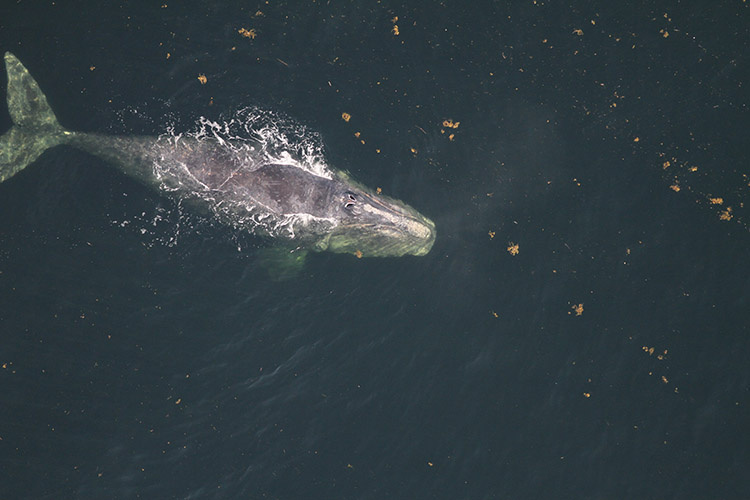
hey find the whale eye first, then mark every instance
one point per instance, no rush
(349, 200)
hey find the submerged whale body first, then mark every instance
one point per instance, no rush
(321, 210)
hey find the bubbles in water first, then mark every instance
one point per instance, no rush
(159, 225)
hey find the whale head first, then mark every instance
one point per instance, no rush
(369, 224)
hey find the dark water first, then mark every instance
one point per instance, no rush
(146, 354)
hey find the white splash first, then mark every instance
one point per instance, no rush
(253, 137)
(268, 137)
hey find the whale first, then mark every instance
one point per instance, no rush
(277, 198)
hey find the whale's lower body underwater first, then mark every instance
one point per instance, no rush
(301, 208)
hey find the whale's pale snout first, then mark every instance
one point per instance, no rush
(383, 227)
(417, 233)
(426, 233)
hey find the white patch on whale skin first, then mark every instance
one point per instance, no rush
(291, 223)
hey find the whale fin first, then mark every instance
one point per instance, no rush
(35, 128)
(281, 263)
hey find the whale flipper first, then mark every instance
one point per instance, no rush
(35, 127)
(282, 263)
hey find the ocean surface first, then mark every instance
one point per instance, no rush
(581, 328)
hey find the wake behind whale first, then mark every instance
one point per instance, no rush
(246, 173)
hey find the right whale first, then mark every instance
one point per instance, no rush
(307, 210)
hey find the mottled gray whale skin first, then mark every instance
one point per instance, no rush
(310, 210)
